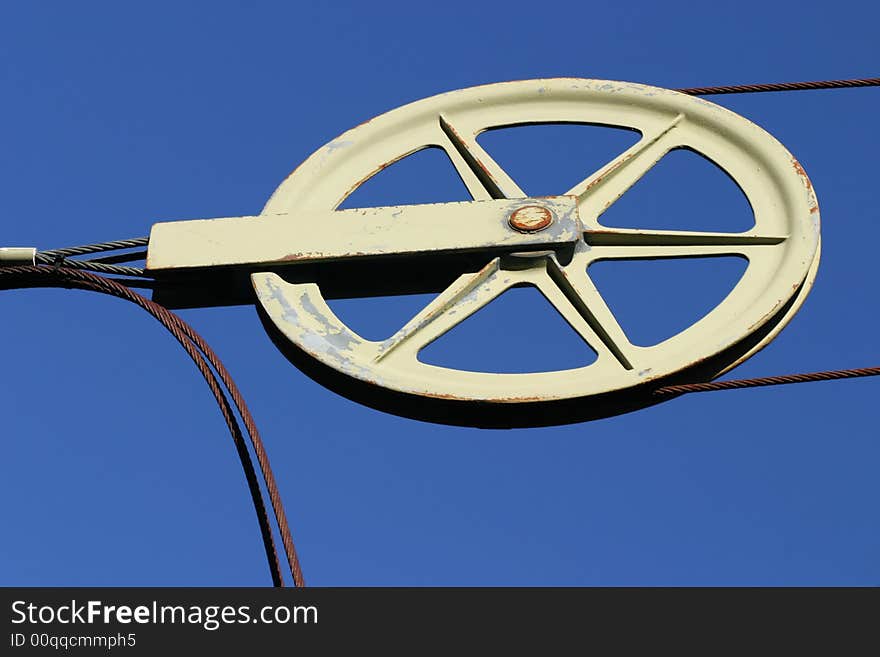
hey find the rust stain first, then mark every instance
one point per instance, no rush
(367, 177)
(530, 219)
(502, 400)
(317, 255)
(767, 315)
(814, 208)
(438, 395)
(803, 174)
(464, 144)
(607, 172)
(484, 169)
(516, 400)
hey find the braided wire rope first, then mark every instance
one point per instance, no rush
(64, 257)
(781, 86)
(99, 247)
(42, 258)
(783, 379)
(204, 357)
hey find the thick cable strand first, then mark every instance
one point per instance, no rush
(37, 276)
(259, 450)
(99, 247)
(250, 425)
(781, 86)
(807, 377)
(45, 258)
(114, 258)
(27, 276)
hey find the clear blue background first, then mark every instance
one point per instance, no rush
(116, 466)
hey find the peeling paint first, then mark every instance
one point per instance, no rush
(336, 145)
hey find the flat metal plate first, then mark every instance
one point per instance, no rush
(316, 236)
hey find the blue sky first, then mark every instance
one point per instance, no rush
(117, 469)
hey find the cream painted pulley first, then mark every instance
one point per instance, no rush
(301, 250)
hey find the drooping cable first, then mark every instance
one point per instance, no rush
(204, 358)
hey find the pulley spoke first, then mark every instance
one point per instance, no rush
(580, 303)
(622, 243)
(624, 237)
(464, 297)
(648, 253)
(597, 192)
(483, 176)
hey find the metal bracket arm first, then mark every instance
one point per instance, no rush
(409, 231)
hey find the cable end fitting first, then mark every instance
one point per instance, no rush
(18, 255)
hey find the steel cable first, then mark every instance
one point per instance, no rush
(807, 377)
(204, 358)
(827, 375)
(43, 258)
(59, 257)
(781, 86)
(99, 247)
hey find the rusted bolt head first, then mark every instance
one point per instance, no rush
(530, 219)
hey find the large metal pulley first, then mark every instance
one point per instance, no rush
(302, 251)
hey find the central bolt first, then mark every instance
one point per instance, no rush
(530, 219)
